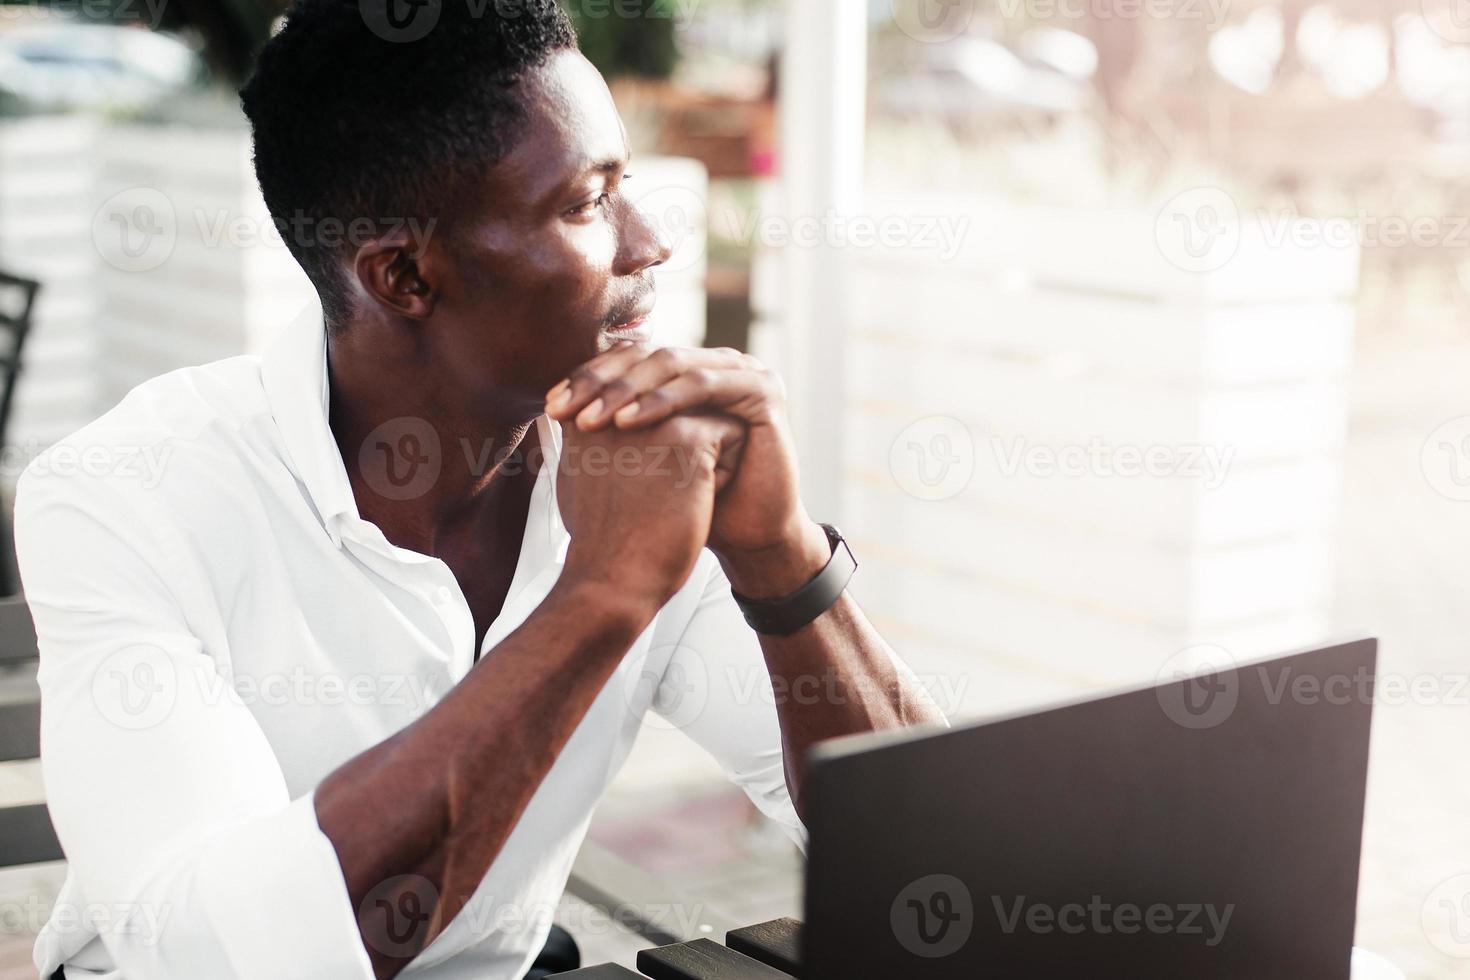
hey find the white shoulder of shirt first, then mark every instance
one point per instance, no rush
(162, 437)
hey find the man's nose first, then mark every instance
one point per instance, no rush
(644, 245)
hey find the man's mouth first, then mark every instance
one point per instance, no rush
(630, 326)
(634, 325)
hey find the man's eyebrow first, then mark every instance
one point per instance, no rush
(608, 165)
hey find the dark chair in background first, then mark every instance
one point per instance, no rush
(17, 303)
(26, 835)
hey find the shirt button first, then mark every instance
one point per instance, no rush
(444, 594)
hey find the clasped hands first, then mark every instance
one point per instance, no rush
(700, 453)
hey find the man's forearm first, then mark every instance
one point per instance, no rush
(835, 676)
(438, 800)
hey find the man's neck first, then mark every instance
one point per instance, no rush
(424, 459)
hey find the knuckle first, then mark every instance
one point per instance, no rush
(585, 374)
(682, 428)
(616, 390)
(657, 398)
(727, 426)
(670, 357)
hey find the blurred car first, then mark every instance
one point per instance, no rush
(973, 81)
(54, 63)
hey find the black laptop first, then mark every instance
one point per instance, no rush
(1206, 827)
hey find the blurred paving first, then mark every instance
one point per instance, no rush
(1404, 576)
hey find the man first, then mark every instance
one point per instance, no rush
(337, 695)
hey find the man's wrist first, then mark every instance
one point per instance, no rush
(781, 569)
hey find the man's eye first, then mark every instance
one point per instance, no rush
(601, 200)
(592, 205)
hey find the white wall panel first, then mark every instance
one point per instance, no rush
(1050, 334)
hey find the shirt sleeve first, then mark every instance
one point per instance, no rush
(716, 688)
(164, 791)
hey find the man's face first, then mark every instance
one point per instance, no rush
(549, 258)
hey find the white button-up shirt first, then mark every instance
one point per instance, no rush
(220, 629)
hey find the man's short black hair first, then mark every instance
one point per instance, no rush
(374, 110)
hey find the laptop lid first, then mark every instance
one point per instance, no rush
(1206, 827)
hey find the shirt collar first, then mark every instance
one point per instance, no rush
(294, 373)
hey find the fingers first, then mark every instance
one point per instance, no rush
(722, 436)
(700, 387)
(617, 379)
(580, 387)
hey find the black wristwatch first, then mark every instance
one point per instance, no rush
(786, 615)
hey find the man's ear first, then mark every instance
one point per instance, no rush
(392, 271)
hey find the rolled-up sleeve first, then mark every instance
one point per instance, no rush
(166, 796)
(716, 687)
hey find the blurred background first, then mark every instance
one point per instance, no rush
(1122, 336)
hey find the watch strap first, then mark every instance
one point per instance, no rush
(787, 614)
